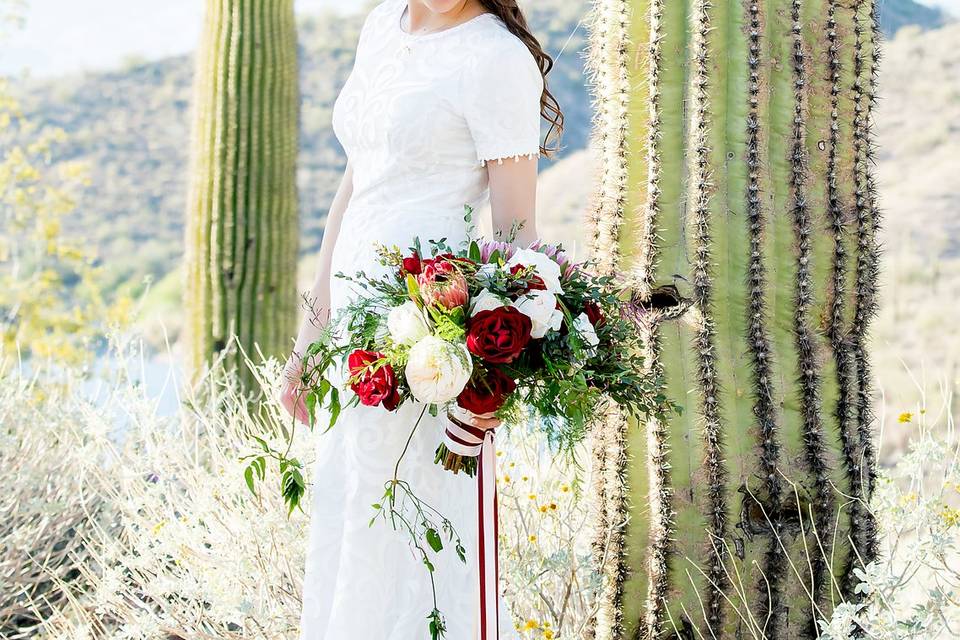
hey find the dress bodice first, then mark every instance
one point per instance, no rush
(419, 115)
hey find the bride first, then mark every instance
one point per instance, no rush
(442, 109)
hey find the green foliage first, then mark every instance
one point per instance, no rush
(51, 297)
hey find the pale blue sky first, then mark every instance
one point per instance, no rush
(63, 36)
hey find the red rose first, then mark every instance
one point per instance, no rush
(533, 283)
(498, 335)
(373, 385)
(412, 264)
(594, 314)
(487, 394)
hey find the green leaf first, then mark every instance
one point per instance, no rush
(413, 289)
(434, 410)
(322, 389)
(334, 407)
(248, 476)
(474, 251)
(428, 564)
(311, 402)
(433, 539)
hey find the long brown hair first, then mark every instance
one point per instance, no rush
(513, 18)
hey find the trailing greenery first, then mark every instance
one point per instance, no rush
(241, 235)
(737, 181)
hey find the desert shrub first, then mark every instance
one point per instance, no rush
(913, 590)
(190, 553)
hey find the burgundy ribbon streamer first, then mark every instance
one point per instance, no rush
(467, 440)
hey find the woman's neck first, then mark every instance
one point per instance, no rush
(422, 19)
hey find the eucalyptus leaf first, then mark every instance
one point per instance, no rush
(433, 539)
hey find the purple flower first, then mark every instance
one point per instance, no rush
(487, 247)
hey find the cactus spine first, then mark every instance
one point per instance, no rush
(736, 191)
(241, 236)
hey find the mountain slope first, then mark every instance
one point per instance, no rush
(132, 126)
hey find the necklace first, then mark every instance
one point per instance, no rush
(408, 38)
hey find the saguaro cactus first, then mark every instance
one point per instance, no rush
(241, 236)
(736, 189)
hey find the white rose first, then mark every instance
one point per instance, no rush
(407, 324)
(543, 265)
(584, 327)
(437, 370)
(541, 307)
(486, 301)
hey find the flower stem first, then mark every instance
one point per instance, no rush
(406, 446)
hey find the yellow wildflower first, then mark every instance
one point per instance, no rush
(533, 537)
(950, 516)
(906, 416)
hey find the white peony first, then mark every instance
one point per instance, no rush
(486, 301)
(437, 370)
(407, 324)
(541, 307)
(543, 265)
(584, 327)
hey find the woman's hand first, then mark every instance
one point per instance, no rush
(291, 391)
(479, 420)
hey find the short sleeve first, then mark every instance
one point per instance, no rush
(374, 24)
(501, 102)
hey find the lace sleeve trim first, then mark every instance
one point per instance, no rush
(499, 158)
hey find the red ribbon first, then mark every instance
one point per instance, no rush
(467, 440)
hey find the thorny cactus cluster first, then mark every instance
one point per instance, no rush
(241, 236)
(736, 156)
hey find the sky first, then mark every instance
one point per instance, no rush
(65, 36)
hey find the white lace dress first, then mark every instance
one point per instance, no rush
(419, 116)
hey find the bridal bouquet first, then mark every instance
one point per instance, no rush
(489, 329)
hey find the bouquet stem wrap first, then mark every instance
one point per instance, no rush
(467, 440)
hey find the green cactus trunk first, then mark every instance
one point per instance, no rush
(241, 236)
(736, 191)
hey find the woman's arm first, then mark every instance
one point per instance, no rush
(513, 204)
(513, 198)
(319, 296)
